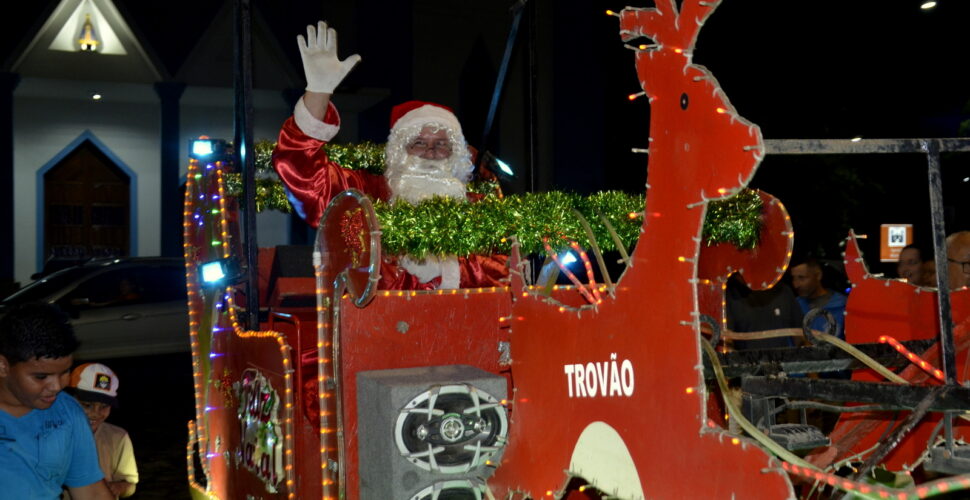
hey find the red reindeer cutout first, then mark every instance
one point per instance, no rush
(616, 396)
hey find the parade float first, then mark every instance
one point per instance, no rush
(616, 387)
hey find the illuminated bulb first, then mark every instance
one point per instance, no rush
(633, 97)
(721, 110)
(569, 258)
(856, 139)
(610, 12)
(928, 5)
(96, 96)
(689, 390)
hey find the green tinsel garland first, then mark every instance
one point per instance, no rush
(735, 220)
(443, 226)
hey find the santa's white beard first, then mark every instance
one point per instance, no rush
(421, 178)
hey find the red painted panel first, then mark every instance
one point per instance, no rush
(700, 149)
(410, 329)
(761, 266)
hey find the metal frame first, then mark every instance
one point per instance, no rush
(814, 359)
(947, 398)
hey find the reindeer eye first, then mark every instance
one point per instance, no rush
(683, 101)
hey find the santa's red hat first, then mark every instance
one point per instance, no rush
(420, 113)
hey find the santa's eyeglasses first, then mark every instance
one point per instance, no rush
(420, 146)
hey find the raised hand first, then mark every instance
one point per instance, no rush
(323, 70)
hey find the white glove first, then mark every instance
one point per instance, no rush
(323, 70)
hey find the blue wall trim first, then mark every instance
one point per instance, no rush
(87, 135)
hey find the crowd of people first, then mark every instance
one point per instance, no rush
(919, 267)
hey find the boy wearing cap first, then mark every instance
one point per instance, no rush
(95, 386)
(45, 441)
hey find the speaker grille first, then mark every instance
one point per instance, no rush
(462, 489)
(451, 428)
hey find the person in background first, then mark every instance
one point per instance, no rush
(807, 282)
(908, 267)
(927, 274)
(958, 258)
(95, 386)
(812, 295)
(45, 440)
(760, 310)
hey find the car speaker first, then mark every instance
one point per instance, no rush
(425, 426)
(451, 428)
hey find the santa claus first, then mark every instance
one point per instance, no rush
(426, 156)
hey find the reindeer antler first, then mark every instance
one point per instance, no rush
(665, 25)
(698, 142)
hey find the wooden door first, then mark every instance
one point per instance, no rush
(86, 207)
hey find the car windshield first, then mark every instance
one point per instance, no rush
(42, 288)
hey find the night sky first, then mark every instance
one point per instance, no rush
(839, 70)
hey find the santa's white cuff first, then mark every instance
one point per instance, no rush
(450, 273)
(312, 127)
(424, 270)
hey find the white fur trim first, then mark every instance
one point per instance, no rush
(450, 273)
(312, 127)
(425, 269)
(428, 114)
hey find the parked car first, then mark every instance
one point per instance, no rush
(119, 307)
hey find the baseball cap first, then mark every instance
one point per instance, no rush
(94, 382)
